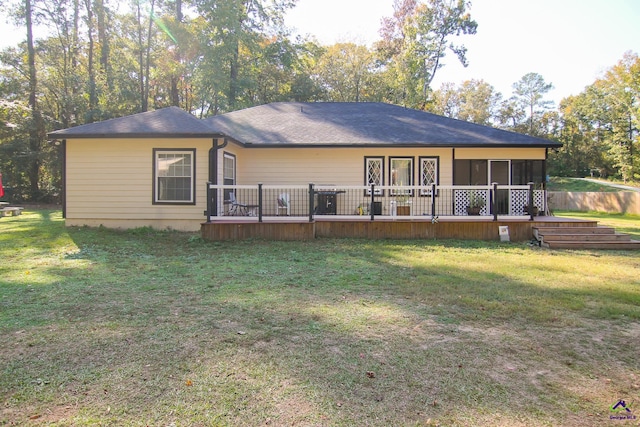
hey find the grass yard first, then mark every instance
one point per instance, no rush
(578, 185)
(146, 328)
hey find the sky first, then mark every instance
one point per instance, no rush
(570, 43)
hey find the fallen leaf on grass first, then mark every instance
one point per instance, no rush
(35, 417)
(188, 383)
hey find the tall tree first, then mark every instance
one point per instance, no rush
(620, 91)
(582, 151)
(37, 129)
(235, 27)
(418, 38)
(345, 71)
(474, 101)
(529, 93)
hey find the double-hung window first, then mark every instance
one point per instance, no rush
(229, 173)
(174, 176)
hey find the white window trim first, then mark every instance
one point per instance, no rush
(435, 161)
(411, 177)
(156, 187)
(231, 157)
(368, 160)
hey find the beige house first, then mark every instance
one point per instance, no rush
(168, 169)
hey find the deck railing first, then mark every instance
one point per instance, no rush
(402, 202)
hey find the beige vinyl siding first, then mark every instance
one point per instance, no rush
(339, 166)
(500, 153)
(110, 182)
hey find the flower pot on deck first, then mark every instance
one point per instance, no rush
(474, 210)
(403, 210)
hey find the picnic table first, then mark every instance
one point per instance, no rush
(9, 210)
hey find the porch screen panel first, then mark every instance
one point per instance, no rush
(462, 172)
(174, 176)
(519, 172)
(471, 172)
(479, 172)
(526, 171)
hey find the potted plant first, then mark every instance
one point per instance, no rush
(535, 210)
(476, 203)
(402, 205)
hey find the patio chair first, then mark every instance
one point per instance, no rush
(283, 204)
(235, 207)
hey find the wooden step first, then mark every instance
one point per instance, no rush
(590, 237)
(630, 245)
(572, 230)
(587, 237)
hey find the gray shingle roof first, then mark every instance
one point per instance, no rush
(167, 122)
(359, 124)
(317, 124)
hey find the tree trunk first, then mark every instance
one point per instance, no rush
(233, 75)
(93, 97)
(103, 40)
(147, 71)
(175, 92)
(36, 130)
(141, 85)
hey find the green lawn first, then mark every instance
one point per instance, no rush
(145, 328)
(578, 185)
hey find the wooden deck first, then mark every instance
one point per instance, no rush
(243, 228)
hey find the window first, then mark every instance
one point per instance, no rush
(174, 176)
(228, 173)
(401, 172)
(428, 173)
(374, 173)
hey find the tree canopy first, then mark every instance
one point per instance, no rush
(101, 59)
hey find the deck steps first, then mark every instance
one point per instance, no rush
(585, 237)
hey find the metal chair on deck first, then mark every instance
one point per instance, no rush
(235, 207)
(283, 205)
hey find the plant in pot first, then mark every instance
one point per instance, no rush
(402, 207)
(476, 203)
